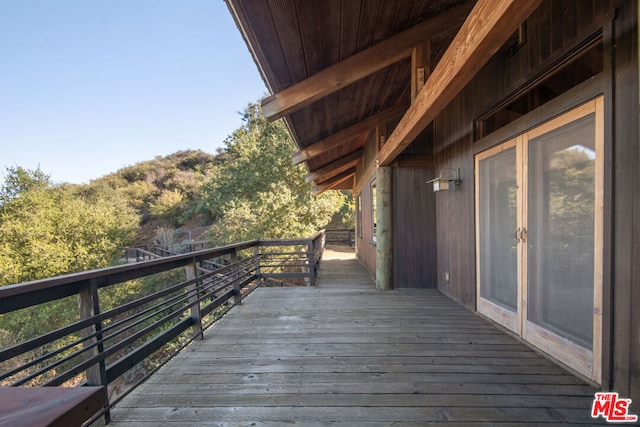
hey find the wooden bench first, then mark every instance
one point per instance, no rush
(49, 406)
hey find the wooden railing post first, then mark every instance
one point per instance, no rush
(256, 257)
(89, 307)
(237, 296)
(196, 316)
(311, 253)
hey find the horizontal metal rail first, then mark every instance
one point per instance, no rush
(175, 299)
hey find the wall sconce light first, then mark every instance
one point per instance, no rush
(441, 183)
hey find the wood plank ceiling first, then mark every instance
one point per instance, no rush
(350, 60)
(338, 68)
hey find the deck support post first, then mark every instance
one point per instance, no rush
(196, 316)
(256, 264)
(237, 295)
(311, 254)
(384, 236)
(88, 307)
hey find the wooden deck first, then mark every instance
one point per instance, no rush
(343, 353)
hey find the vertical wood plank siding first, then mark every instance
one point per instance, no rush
(550, 29)
(414, 240)
(626, 216)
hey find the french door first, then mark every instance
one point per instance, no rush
(539, 207)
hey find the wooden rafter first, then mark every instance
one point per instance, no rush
(487, 27)
(334, 168)
(336, 180)
(332, 183)
(348, 134)
(362, 64)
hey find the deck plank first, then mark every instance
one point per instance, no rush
(343, 353)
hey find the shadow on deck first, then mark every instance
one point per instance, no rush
(343, 353)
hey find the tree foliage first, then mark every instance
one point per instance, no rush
(258, 192)
(166, 187)
(49, 231)
(18, 180)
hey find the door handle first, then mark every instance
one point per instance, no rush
(523, 234)
(518, 234)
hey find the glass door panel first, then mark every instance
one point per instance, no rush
(539, 236)
(560, 218)
(497, 244)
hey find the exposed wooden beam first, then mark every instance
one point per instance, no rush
(362, 64)
(336, 180)
(420, 67)
(348, 134)
(333, 182)
(488, 26)
(334, 168)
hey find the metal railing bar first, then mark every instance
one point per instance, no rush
(117, 368)
(60, 379)
(91, 346)
(36, 342)
(141, 323)
(113, 275)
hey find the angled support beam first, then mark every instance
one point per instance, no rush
(338, 179)
(362, 64)
(334, 168)
(333, 182)
(349, 134)
(488, 26)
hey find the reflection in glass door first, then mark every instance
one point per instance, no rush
(563, 251)
(539, 208)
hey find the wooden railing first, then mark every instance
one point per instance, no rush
(141, 314)
(342, 237)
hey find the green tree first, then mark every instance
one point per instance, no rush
(62, 229)
(166, 187)
(170, 204)
(19, 180)
(53, 230)
(258, 193)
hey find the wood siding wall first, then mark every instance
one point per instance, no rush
(625, 252)
(552, 31)
(414, 237)
(413, 216)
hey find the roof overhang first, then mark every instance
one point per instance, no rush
(340, 70)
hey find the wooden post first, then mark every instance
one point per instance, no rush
(420, 68)
(381, 136)
(384, 237)
(256, 255)
(196, 316)
(237, 296)
(88, 307)
(311, 254)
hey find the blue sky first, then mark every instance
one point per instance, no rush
(90, 86)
